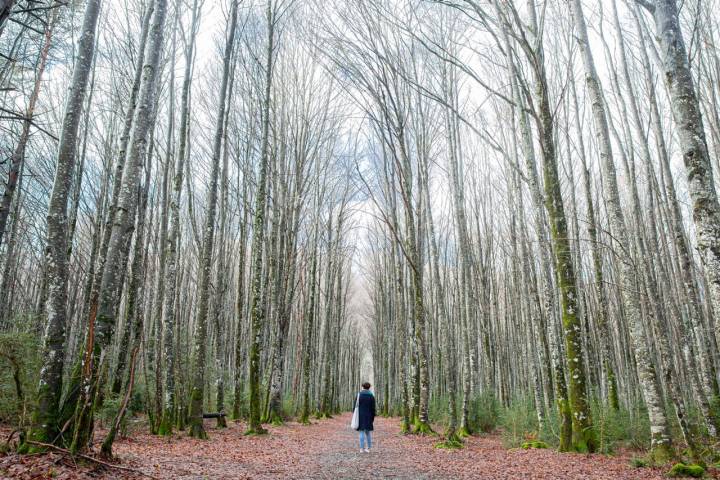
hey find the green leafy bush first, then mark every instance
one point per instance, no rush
(137, 399)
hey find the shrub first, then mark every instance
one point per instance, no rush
(438, 409)
(484, 413)
(136, 404)
(639, 462)
(288, 405)
(110, 408)
(622, 427)
(519, 422)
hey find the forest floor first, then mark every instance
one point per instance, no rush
(327, 449)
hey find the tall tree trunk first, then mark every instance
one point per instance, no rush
(198, 386)
(583, 436)
(134, 313)
(257, 308)
(691, 134)
(628, 284)
(173, 239)
(46, 417)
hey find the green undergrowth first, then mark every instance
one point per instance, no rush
(483, 413)
(517, 422)
(625, 428)
(638, 462)
(19, 369)
(683, 470)
(621, 428)
(111, 406)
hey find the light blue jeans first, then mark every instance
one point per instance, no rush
(365, 436)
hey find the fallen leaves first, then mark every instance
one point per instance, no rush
(326, 450)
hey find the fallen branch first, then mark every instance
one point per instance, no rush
(88, 457)
(214, 415)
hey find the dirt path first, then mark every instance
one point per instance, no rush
(328, 449)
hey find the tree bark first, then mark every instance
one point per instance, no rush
(57, 256)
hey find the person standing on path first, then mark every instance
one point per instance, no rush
(366, 411)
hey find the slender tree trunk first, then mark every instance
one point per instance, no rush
(257, 307)
(173, 240)
(198, 385)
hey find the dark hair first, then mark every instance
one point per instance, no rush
(366, 385)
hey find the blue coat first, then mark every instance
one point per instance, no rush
(366, 410)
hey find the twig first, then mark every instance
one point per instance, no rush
(12, 434)
(88, 457)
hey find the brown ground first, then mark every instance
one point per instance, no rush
(327, 449)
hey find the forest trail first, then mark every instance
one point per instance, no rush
(328, 449)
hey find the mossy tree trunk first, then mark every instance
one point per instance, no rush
(46, 427)
(544, 326)
(693, 144)
(583, 436)
(257, 308)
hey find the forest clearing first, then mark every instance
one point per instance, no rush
(494, 225)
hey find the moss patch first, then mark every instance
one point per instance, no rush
(680, 470)
(450, 444)
(423, 428)
(534, 444)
